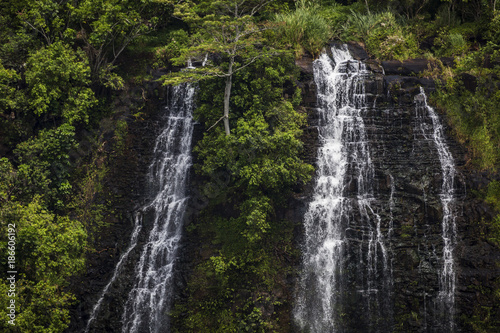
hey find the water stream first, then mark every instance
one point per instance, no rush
(433, 131)
(148, 303)
(335, 246)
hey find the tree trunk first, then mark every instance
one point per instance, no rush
(227, 95)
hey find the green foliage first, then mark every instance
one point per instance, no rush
(450, 44)
(258, 158)
(84, 204)
(492, 32)
(457, 44)
(8, 181)
(221, 33)
(475, 116)
(221, 27)
(409, 8)
(58, 80)
(42, 17)
(336, 16)
(121, 132)
(50, 249)
(493, 194)
(384, 36)
(108, 27)
(474, 113)
(263, 153)
(10, 97)
(229, 30)
(304, 29)
(471, 99)
(178, 40)
(15, 44)
(51, 246)
(446, 16)
(493, 198)
(57, 62)
(472, 124)
(255, 212)
(59, 57)
(45, 164)
(231, 291)
(359, 25)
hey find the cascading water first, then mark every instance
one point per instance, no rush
(147, 306)
(434, 131)
(334, 247)
(148, 303)
(118, 270)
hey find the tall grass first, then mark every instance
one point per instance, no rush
(304, 29)
(383, 33)
(359, 25)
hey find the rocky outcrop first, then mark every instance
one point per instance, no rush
(408, 180)
(412, 66)
(124, 192)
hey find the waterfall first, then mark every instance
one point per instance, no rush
(343, 234)
(434, 132)
(148, 303)
(118, 269)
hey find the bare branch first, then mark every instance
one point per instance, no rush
(216, 123)
(248, 63)
(40, 32)
(259, 7)
(242, 3)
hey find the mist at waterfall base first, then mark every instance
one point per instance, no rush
(148, 303)
(350, 276)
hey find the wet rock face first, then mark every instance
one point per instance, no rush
(126, 181)
(408, 161)
(407, 185)
(407, 182)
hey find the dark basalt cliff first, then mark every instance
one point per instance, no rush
(125, 188)
(407, 185)
(408, 180)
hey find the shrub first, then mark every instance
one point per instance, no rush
(493, 198)
(475, 118)
(359, 26)
(304, 29)
(450, 44)
(336, 15)
(384, 36)
(178, 39)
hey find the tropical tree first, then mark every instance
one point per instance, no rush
(51, 248)
(227, 28)
(106, 28)
(58, 80)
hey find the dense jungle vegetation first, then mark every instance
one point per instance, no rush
(62, 63)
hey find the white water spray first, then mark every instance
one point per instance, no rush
(118, 269)
(149, 301)
(344, 152)
(447, 276)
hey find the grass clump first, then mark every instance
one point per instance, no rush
(305, 29)
(383, 35)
